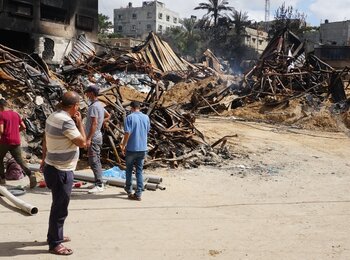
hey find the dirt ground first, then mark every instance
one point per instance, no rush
(286, 195)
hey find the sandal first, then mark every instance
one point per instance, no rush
(61, 250)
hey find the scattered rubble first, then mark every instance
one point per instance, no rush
(285, 86)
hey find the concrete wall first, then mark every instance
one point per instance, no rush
(137, 22)
(45, 24)
(336, 33)
(336, 56)
(124, 42)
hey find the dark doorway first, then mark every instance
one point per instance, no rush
(17, 40)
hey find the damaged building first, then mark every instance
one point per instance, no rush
(47, 27)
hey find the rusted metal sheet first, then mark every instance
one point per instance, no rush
(160, 55)
(82, 51)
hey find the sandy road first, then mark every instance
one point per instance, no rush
(286, 195)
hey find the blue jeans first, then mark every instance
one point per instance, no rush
(137, 159)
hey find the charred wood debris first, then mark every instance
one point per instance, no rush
(283, 72)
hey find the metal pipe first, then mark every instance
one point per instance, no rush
(151, 178)
(26, 207)
(113, 181)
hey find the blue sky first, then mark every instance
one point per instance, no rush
(316, 10)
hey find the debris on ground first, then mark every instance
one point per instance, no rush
(285, 86)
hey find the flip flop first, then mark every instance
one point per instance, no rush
(61, 250)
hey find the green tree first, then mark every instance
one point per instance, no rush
(240, 20)
(185, 39)
(214, 8)
(104, 24)
(288, 17)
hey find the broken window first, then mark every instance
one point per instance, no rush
(120, 28)
(53, 14)
(120, 17)
(134, 16)
(133, 27)
(168, 18)
(49, 47)
(175, 20)
(160, 28)
(84, 22)
(160, 16)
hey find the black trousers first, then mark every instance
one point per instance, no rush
(60, 183)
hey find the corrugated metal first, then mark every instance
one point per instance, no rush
(159, 54)
(81, 51)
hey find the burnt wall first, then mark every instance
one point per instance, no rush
(47, 26)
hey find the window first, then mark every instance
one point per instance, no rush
(84, 22)
(175, 20)
(160, 28)
(120, 17)
(260, 42)
(149, 15)
(160, 16)
(54, 11)
(254, 40)
(133, 27)
(168, 18)
(149, 27)
(134, 16)
(120, 28)
(21, 9)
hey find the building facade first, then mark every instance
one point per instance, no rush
(335, 33)
(331, 43)
(137, 22)
(257, 40)
(47, 27)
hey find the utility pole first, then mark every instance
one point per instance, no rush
(267, 14)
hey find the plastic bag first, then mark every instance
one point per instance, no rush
(114, 172)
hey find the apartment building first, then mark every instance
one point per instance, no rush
(331, 43)
(137, 22)
(47, 27)
(257, 40)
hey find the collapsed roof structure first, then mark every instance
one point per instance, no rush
(285, 71)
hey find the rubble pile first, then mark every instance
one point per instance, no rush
(30, 87)
(172, 91)
(173, 138)
(285, 72)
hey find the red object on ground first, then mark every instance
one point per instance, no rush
(42, 184)
(77, 184)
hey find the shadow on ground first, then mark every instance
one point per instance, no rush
(20, 248)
